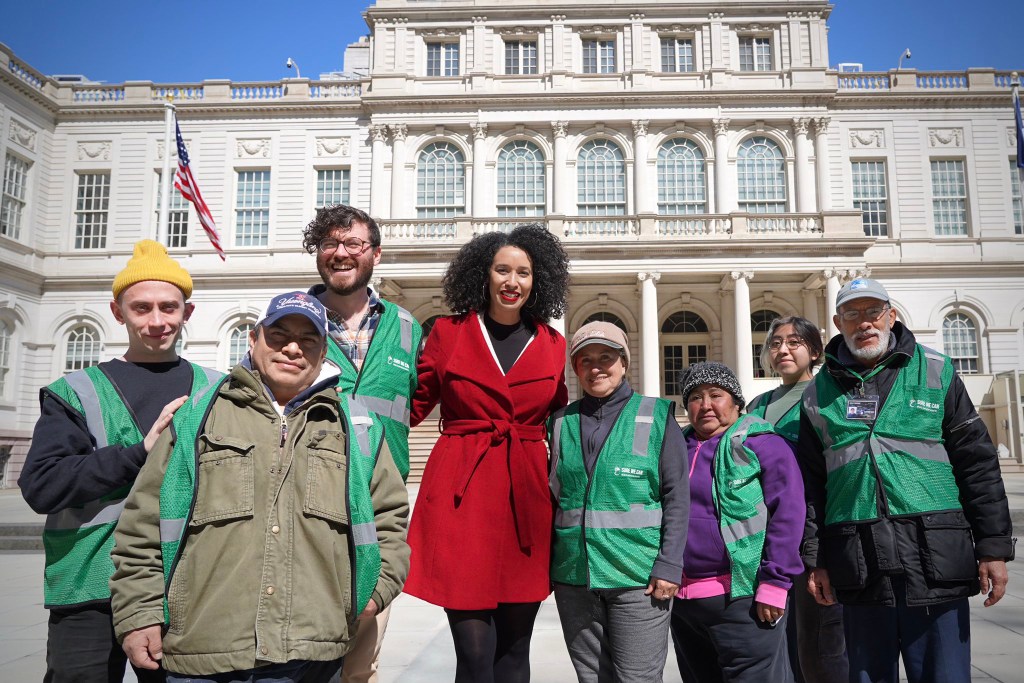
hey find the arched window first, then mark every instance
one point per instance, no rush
(685, 340)
(83, 348)
(427, 325)
(760, 321)
(601, 180)
(960, 340)
(520, 180)
(238, 343)
(5, 355)
(761, 171)
(606, 317)
(682, 187)
(440, 182)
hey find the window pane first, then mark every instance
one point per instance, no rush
(91, 207)
(520, 180)
(605, 317)
(870, 197)
(440, 182)
(598, 56)
(252, 209)
(681, 178)
(960, 340)
(601, 184)
(332, 187)
(238, 343)
(12, 204)
(1018, 202)
(684, 322)
(949, 197)
(177, 216)
(677, 55)
(762, 177)
(755, 53)
(82, 349)
(521, 57)
(5, 355)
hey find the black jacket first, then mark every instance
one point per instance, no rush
(936, 553)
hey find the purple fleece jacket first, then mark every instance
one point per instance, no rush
(705, 560)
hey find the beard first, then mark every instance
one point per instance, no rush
(869, 353)
(362, 280)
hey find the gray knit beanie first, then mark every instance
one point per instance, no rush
(715, 374)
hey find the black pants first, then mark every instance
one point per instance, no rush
(81, 648)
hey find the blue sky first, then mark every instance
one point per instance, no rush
(119, 40)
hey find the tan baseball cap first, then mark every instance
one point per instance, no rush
(607, 334)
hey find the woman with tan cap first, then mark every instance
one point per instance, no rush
(618, 462)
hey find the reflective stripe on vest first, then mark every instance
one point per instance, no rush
(556, 453)
(637, 517)
(926, 450)
(406, 322)
(90, 399)
(397, 408)
(93, 513)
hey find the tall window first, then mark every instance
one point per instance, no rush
(91, 209)
(1018, 202)
(601, 179)
(5, 355)
(762, 176)
(332, 187)
(440, 182)
(685, 341)
(949, 196)
(177, 215)
(760, 321)
(238, 343)
(442, 59)
(252, 209)
(82, 349)
(870, 197)
(520, 180)
(598, 56)
(677, 55)
(681, 178)
(12, 206)
(960, 340)
(755, 53)
(520, 56)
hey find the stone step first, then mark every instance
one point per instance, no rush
(21, 528)
(20, 543)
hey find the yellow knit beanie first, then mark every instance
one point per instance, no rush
(151, 262)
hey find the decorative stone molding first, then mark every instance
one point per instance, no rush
(596, 29)
(640, 127)
(399, 131)
(22, 135)
(946, 137)
(637, 17)
(479, 131)
(528, 31)
(741, 275)
(721, 126)
(755, 28)
(379, 132)
(873, 138)
(672, 29)
(94, 151)
(716, 16)
(439, 32)
(821, 124)
(801, 126)
(479, 20)
(557, 18)
(653, 276)
(256, 148)
(560, 128)
(332, 147)
(1011, 137)
(160, 150)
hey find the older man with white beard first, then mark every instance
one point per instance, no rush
(907, 515)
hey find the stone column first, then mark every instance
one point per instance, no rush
(804, 173)
(636, 39)
(744, 339)
(558, 43)
(831, 290)
(399, 131)
(725, 201)
(379, 135)
(479, 36)
(821, 162)
(479, 170)
(560, 171)
(641, 187)
(650, 353)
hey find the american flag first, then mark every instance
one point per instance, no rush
(186, 184)
(1019, 121)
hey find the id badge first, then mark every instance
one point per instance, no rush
(863, 408)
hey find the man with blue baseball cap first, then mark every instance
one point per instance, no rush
(265, 523)
(907, 514)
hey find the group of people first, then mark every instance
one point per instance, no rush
(255, 526)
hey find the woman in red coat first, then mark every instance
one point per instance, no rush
(481, 530)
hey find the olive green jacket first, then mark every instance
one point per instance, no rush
(265, 573)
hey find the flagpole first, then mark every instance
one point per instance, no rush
(1019, 130)
(170, 143)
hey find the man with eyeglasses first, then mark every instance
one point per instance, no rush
(375, 343)
(907, 514)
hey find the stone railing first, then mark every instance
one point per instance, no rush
(97, 93)
(26, 73)
(943, 80)
(257, 91)
(692, 226)
(185, 92)
(335, 90)
(909, 80)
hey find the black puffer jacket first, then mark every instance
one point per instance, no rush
(936, 553)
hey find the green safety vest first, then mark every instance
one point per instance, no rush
(739, 501)
(608, 523)
(788, 425)
(180, 484)
(903, 450)
(386, 389)
(78, 539)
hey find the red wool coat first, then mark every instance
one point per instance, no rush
(481, 529)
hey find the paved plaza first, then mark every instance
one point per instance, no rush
(418, 647)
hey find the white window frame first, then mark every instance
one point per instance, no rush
(872, 228)
(605, 47)
(1016, 201)
(76, 359)
(7, 332)
(959, 349)
(245, 216)
(521, 65)
(14, 193)
(87, 215)
(758, 62)
(178, 215)
(237, 342)
(599, 186)
(687, 205)
(689, 343)
(442, 209)
(444, 66)
(761, 205)
(344, 194)
(514, 181)
(676, 43)
(945, 202)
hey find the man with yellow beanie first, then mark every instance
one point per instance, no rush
(95, 430)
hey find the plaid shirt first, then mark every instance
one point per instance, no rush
(354, 343)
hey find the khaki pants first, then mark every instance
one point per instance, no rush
(362, 660)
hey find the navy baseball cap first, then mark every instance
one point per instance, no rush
(297, 303)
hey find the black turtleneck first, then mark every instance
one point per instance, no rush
(508, 341)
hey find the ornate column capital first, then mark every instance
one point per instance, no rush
(640, 127)
(801, 125)
(653, 276)
(821, 124)
(741, 275)
(479, 130)
(557, 18)
(636, 17)
(559, 128)
(721, 126)
(399, 131)
(379, 132)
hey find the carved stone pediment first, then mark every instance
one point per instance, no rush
(867, 138)
(21, 134)
(96, 150)
(332, 147)
(946, 137)
(253, 148)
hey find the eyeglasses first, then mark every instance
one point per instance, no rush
(353, 245)
(869, 314)
(792, 344)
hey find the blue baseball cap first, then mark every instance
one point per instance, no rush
(297, 303)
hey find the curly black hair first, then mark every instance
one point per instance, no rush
(465, 280)
(330, 218)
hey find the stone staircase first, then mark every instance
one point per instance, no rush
(421, 439)
(25, 536)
